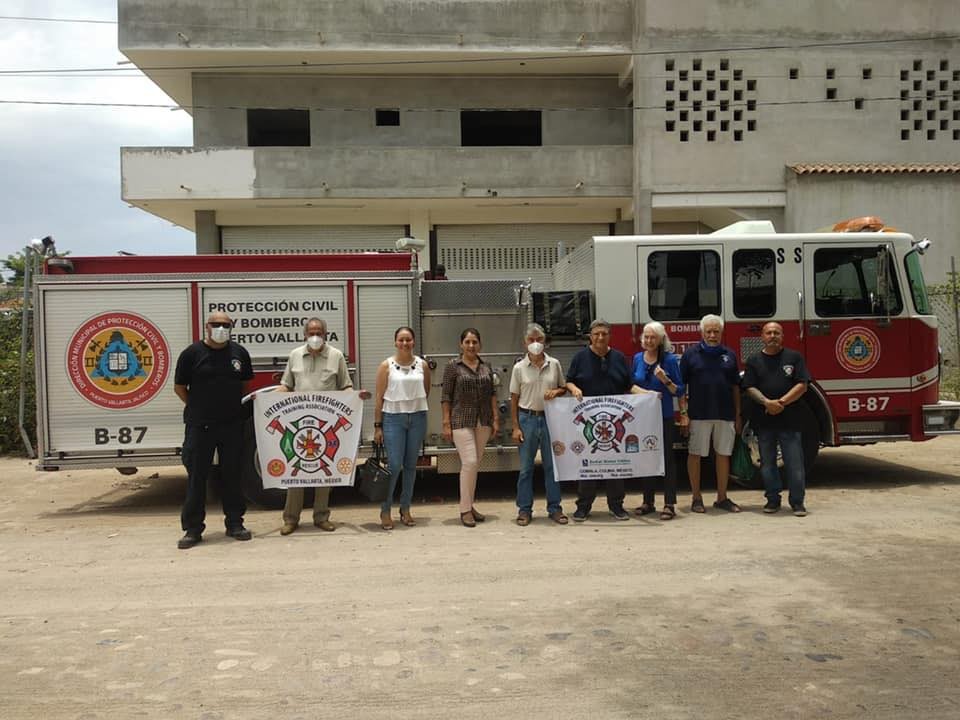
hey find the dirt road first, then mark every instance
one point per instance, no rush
(851, 612)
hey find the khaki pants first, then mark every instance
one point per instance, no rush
(470, 444)
(294, 504)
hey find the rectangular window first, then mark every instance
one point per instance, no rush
(754, 283)
(388, 117)
(492, 128)
(278, 128)
(683, 284)
(855, 282)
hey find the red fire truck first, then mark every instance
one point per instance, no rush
(109, 329)
(852, 300)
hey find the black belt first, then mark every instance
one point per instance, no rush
(539, 413)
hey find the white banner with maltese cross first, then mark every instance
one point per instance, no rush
(307, 439)
(604, 437)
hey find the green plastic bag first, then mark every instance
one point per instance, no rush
(740, 463)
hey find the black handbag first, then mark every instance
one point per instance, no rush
(374, 477)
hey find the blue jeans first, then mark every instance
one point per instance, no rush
(791, 446)
(403, 435)
(536, 436)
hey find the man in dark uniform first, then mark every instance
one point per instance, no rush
(211, 377)
(776, 379)
(599, 369)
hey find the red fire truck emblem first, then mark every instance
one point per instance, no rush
(118, 360)
(858, 349)
(310, 444)
(604, 431)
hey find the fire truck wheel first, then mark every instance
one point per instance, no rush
(811, 438)
(250, 480)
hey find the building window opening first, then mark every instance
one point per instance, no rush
(492, 128)
(278, 128)
(388, 117)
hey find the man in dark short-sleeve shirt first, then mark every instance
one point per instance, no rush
(210, 378)
(599, 369)
(776, 379)
(710, 372)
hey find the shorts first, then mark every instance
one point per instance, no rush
(723, 431)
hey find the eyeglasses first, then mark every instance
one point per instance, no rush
(220, 324)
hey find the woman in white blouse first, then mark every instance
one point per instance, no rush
(400, 419)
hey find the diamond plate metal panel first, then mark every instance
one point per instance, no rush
(461, 295)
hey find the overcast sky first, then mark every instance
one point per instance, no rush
(61, 165)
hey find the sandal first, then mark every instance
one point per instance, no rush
(668, 513)
(697, 505)
(727, 504)
(467, 519)
(477, 516)
(645, 509)
(386, 522)
(407, 519)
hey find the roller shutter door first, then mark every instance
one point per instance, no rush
(275, 239)
(509, 251)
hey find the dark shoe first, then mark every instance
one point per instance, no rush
(188, 540)
(619, 513)
(325, 525)
(523, 519)
(727, 504)
(239, 533)
(559, 518)
(771, 507)
(799, 510)
(477, 516)
(580, 515)
(467, 519)
(668, 513)
(697, 505)
(645, 509)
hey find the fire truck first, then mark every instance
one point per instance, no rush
(852, 300)
(109, 330)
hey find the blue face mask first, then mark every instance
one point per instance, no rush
(711, 349)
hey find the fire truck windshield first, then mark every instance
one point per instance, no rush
(918, 288)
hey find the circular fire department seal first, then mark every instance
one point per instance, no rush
(559, 448)
(344, 465)
(118, 360)
(858, 349)
(276, 467)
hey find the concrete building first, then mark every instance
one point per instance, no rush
(503, 131)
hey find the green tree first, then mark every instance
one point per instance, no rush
(12, 269)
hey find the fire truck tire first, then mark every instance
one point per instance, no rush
(250, 480)
(811, 438)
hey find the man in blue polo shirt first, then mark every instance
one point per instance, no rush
(712, 377)
(599, 369)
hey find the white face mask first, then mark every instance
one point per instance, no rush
(535, 348)
(220, 334)
(315, 342)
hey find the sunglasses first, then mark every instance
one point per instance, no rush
(220, 324)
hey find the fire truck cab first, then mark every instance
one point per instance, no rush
(854, 303)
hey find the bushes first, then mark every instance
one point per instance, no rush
(10, 441)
